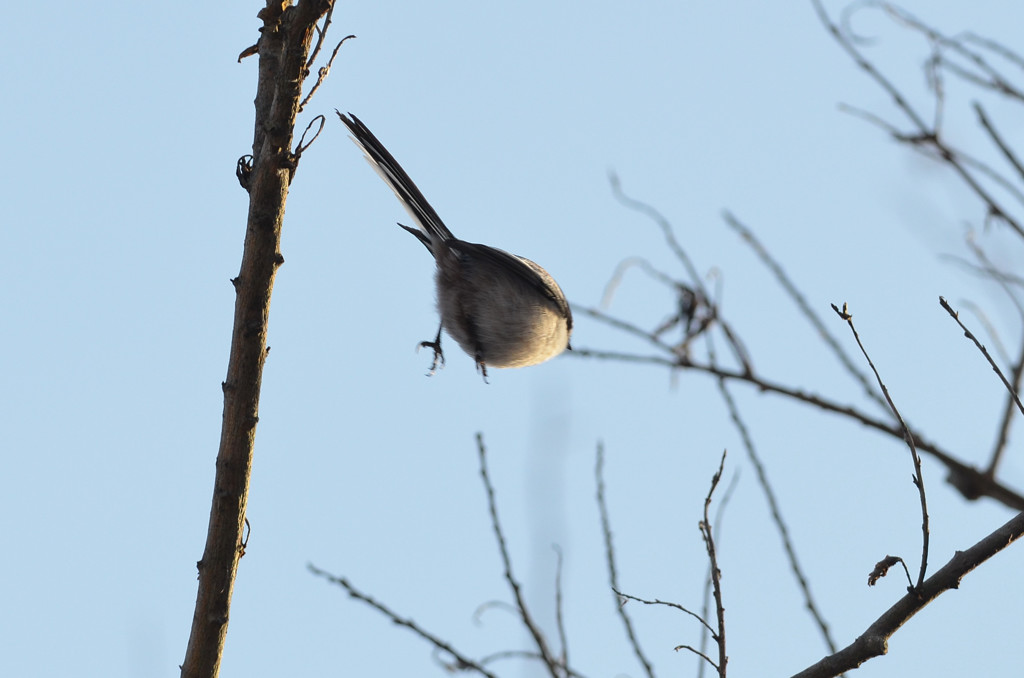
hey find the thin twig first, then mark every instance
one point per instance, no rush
(524, 654)
(997, 139)
(737, 347)
(994, 47)
(700, 654)
(1017, 367)
(707, 532)
(563, 638)
(303, 144)
(984, 351)
(478, 613)
(667, 604)
(708, 633)
(625, 326)
(461, 661)
(990, 330)
(613, 577)
(957, 45)
(1004, 277)
(620, 271)
(780, 523)
(323, 72)
(923, 134)
(663, 223)
(321, 34)
(969, 481)
(907, 436)
(538, 638)
(802, 304)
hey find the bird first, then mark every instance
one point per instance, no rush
(502, 309)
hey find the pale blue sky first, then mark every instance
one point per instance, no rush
(123, 223)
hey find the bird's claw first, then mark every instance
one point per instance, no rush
(438, 354)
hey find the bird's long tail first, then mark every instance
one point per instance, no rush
(388, 168)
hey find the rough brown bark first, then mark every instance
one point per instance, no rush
(283, 48)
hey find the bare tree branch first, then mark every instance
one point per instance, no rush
(324, 70)
(922, 134)
(707, 531)
(708, 633)
(461, 662)
(613, 577)
(739, 351)
(997, 139)
(283, 45)
(776, 511)
(802, 304)
(1010, 387)
(873, 642)
(667, 604)
(524, 613)
(907, 436)
(969, 481)
(563, 638)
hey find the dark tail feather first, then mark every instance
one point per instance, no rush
(388, 168)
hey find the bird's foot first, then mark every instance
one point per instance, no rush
(438, 354)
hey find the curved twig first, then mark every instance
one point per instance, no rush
(907, 436)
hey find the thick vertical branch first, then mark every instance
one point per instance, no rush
(283, 46)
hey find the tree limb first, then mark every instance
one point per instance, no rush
(283, 45)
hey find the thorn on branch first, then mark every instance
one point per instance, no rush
(248, 52)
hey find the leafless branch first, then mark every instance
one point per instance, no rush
(667, 604)
(803, 305)
(922, 134)
(461, 662)
(613, 577)
(524, 654)
(969, 481)
(707, 531)
(283, 45)
(990, 77)
(907, 436)
(697, 652)
(563, 638)
(696, 282)
(321, 34)
(1009, 387)
(1008, 415)
(538, 637)
(780, 523)
(323, 72)
(995, 47)
(663, 223)
(301, 147)
(873, 642)
(997, 139)
(708, 633)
